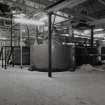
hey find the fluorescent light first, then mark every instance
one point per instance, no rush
(45, 28)
(99, 35)
(44, 18)
(67, 35)
(76, 36)
(37, 14)
(3, 38)
(59, 19)
(86, 31)
(19, 15)
(100, 29)
(64, 43)
(13, 11)
(28, 21)
(23, 30)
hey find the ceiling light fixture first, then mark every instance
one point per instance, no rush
(28, 21)
(86, 31)
(19, 15)
(44, 18)
(99, 29)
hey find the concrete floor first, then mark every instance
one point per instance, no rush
(65, 88)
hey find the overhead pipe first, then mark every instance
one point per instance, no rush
(2, 56)
(63, 4)
(3, 18)
(61, 16)
(56, 3)
(11, 30)
(5, 57)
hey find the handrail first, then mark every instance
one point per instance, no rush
(1, 56)
(7, 54)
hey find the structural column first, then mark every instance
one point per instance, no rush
(2, 55)
(5, 58)
(50, 44)
(11, 32)
(21, 48)
(12, 50)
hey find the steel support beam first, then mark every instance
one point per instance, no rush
(63, 4)
(12, 39)
(50, 44)
(21, 48)
(20, 4)
(24, 5)
(55, 4)
(11, 30)
(76, 15)
(5, 57)
(2, 56)
(3, 18)
(98, 21)
(60, 16)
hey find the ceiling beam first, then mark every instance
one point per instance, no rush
(68, 4)
(54, 4)
(77, 15)
(84, 17)
(99, 32)
(23, 4)
(65, 3)
(97, 22)
(20, 4)
(3, 18)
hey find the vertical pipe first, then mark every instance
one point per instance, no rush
(12, 51)
(92, 36)
(2, 58)
(28, 34)
(73, 36)
(11, 31)
(49, 45)
(5, 59)
(21, 48)
(13, 56)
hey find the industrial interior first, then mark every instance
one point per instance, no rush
(52, 52)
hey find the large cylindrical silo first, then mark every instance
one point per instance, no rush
(62, 56)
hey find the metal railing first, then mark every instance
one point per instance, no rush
(7, 54)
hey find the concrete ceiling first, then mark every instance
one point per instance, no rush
(83, 12)
(86, 11)
(91, 12)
